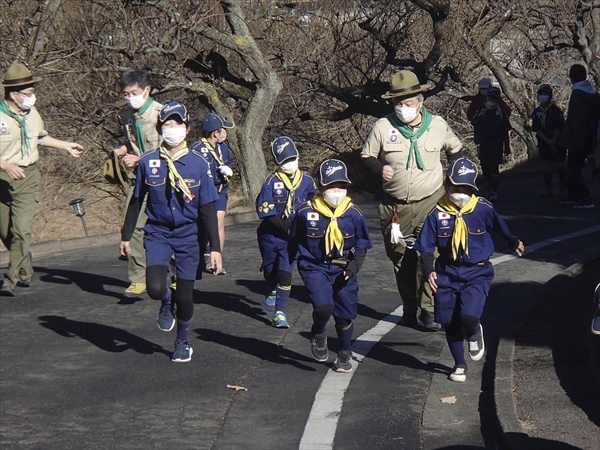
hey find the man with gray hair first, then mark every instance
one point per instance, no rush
(403, 149)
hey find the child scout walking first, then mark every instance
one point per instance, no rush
(279, 199)
(332, 238)
(179, 189)
(458, 227)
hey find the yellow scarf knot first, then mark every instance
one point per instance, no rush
(334, 239)
(291, 185)
(177, 181)
(460, 235)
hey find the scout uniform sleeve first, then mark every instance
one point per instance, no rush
(501, 227)
(265, 206)
(426, 244)
(452, 145)
(207, 208)
(372, 145)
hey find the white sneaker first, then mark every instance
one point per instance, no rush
(477, 345)
(459, 374)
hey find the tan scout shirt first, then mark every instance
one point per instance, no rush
(149, 121)
(10, 138)
(391, 148)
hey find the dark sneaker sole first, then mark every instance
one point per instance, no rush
(342, 369)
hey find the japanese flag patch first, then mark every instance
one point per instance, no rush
(443, 216)
(154, 163)
(312, 216)
(278, 185)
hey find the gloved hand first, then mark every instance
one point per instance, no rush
(225, 170)
(396, 237)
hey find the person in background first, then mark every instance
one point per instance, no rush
(481, 97)
(21, 131)
(547, 123)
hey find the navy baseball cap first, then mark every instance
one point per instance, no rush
(173, 109)
(332, 171)
(212, 122)
(493, 92)
(462, 172)
(283, 149)
(545, 88)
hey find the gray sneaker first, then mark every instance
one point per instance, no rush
(459, 374)
(343, 363)
(165, 319)
(477, 345)
(318, 347)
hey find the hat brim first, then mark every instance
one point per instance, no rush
(184, 120)
(335, 181)
(474, 186)
(406, 93)
(33, 80)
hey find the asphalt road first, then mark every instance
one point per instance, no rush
(82, 368)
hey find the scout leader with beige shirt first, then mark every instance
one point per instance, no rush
(403, 149)
(140, 117)
(21, 131)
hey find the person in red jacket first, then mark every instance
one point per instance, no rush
(481, 97)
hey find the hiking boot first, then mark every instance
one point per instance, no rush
(280, 320)
(165, 319)
(318, 347)
(583, 204)
(343, 363)
(459, 373)
(270, 299)
(135, 290)
(428, 320)
(7, 289)
(408, 319)
(477, 345)
(183, 352)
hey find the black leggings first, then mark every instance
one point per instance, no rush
(183, 296)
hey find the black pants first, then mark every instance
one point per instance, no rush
(576, 186)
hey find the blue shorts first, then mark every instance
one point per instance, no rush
(275, 255)
(461, 290)
(161, 243)
(222, 201)
(326, 286)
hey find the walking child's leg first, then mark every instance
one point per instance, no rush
(185, 312)
(284, 287)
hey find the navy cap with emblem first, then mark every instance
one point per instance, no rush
(173, 109)
(461, 171)
(212, 122)
(283, 149)
(333, 171)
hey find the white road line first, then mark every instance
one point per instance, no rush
(320, 428)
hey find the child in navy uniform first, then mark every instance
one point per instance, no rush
(277, 203)
(332, 238)
(179, 189)
(458, 227)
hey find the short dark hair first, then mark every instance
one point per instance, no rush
(9, 89)
(577, 73)
(131, 77)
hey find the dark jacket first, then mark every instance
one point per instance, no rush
(581, 127)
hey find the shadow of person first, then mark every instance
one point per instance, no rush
(383, 352)
(88, 282)
(268, 351)
(232, 303)
(105, 337)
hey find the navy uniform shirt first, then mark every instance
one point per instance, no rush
(439, 226)
(165, 205)
(554, 120)
(273, 196)
(224, 153)
(308, 231)
(490, 125)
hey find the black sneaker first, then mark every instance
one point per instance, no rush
(318, 347)
(408, 319)
(477, 345)
(428, 320)
(459, 373)
(343, 363)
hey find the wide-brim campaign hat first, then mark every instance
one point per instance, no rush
(19, 75)
(333, 171)
(212, 122)
(283, 149)
(173, 109)
(462, 172)
(406, 83)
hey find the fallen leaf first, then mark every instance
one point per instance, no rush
(450, 400)
(237, 388)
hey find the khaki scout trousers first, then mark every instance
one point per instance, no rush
(18, 201)
(136, 261)
(414, 290)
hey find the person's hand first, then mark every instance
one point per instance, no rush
(121, 151)
(431, 280)
(520, 249)
(216, 263)
(226, 171)
(387, 173)
(130, 161)
(125, 248)
(13, 171)
(73, 148)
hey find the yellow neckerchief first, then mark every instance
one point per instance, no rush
(497, 107)
(543, 118)
(177, 181)
(334, 239)
(216, 153)
(460, 233)
(291, 186)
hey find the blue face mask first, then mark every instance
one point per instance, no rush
(492, 103)
(543, 98)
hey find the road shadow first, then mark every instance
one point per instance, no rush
(298, 292)
(105, 337)
(236, 303)
(267, 351)
(88, 282)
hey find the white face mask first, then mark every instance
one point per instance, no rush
(492, 103)
(290, 167)
(174, 136)
(543, 99)
(137, 101)
(459, 199)
(28, 102)
(334, 198)
(406, 113)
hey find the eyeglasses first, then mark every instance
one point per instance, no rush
(26, 94)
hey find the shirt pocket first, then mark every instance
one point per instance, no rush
(153, 182)
(430, 152)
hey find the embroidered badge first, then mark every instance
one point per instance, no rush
(154, 163)
(312, 216)
(443, 215)
(154, 171)
(278, 185)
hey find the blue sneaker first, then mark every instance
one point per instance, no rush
(183, 352)
(280, 320)
(270, 299)
(165, 319)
